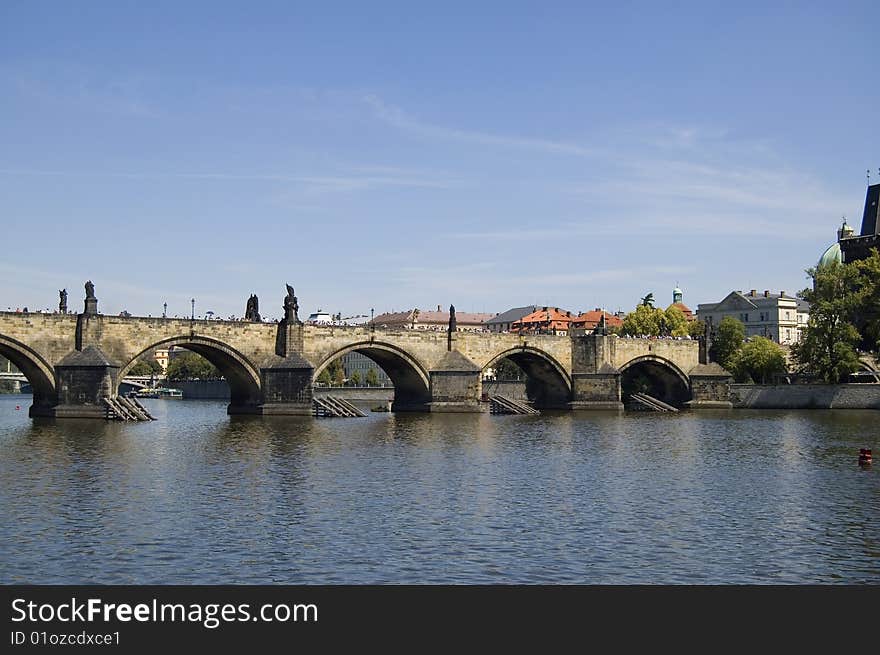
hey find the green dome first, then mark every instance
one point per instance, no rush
(832, 254)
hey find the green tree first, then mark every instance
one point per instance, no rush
(759, 359)
(827, 348)
(728, 340)
(647, 301)
(324, 377)
(147, 364)
(141, 367)
(507, 369)
(190, 366)
(675, 323)
(644, 321)
(696, 329)
(354, 380)
(372, 378)
(337, 372)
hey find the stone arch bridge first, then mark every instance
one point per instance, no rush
(74, 362)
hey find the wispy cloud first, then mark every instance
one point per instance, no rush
(493, 286)
(698, 178)
(314, 184)
(399, 119)
(693, 222)
(60, 84)
(581, 278)
(739, 184)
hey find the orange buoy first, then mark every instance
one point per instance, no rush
(865, 457)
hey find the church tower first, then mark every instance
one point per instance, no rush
(858, 247)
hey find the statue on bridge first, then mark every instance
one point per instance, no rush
(452, 324)
(91, 304)
(706, 340)
(62, 305)
(252, 313)
(291, 306)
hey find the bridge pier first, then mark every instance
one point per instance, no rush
(85, 379)
(455, 385)
(287, 389)
(710, 387)
(595, 382)
(600, 390)
(286, 380)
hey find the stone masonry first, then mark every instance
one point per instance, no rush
(73, 362)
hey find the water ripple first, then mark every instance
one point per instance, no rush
(199, 497)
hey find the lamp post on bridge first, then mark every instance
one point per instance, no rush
(165, 310)
(193, 316)
(372, 324)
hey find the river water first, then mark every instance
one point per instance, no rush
(734, 496)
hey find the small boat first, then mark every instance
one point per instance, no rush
(163, 392)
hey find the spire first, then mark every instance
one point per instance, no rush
(870, 224)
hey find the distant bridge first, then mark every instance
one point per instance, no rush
(73, 362)
(132, 381)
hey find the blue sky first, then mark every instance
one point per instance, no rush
(391, 155)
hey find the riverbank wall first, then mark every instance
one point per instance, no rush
(805, 396)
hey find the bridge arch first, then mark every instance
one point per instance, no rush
(241, 375)
(412, 384)
(657, 377)
(867, 370)
(548, 384)
(37, 370)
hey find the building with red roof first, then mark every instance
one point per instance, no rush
(545, 320)
(417, 319)
(589, 320)
(676, 302)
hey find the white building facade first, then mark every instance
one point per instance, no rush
(777, 316)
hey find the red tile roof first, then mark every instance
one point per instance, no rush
(589, 320)
(688, 314)
(546, 318)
